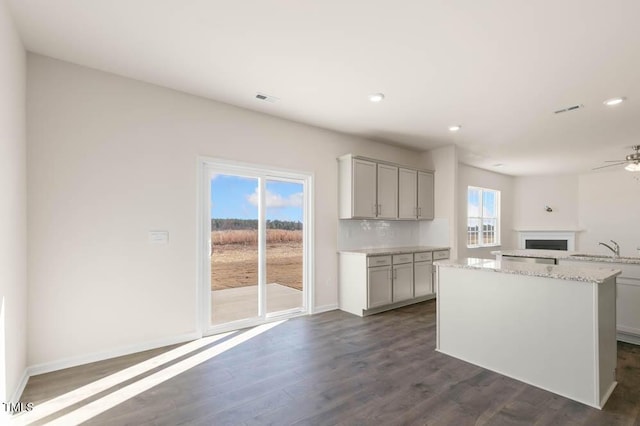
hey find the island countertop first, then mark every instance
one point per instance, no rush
(562, 272)
(569, 255)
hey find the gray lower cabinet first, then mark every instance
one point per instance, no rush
(379, 291)
(402, 282)
(423, 281)
(374, 283)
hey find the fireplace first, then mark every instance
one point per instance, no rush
(546, 244)
(547, 240)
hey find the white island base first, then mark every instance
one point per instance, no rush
(557, 334)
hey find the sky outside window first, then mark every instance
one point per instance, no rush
(473, 203)
(488, 204)
(236, 197)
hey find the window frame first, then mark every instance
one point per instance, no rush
(482, 217)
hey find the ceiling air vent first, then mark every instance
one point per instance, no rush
(267, 98)
(567, 109)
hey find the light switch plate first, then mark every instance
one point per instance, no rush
(159, 237)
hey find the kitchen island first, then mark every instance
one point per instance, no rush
(549, 326)
(627, 283)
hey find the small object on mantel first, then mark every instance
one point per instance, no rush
(548, 209)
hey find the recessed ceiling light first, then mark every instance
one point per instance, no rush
(455, 128)
(614, 101)
(376, 97)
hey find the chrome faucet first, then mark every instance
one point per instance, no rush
(616, 250)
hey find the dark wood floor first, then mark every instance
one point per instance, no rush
(338, 369)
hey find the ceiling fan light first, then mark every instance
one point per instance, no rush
(633, 167)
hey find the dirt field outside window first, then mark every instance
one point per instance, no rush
(234, 260)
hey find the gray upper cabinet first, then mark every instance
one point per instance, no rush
(425, 195)
(372, 189)
(387, 192)
(364, 189)
(415, 189)
(407, 193)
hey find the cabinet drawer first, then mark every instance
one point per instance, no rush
(441, 254)
(402, 258)
(378, 261)
(420, 257)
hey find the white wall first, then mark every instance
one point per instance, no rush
(112, 158)
(533, 193)
(443, 230)
(13, 231)
(471, 176)
(602, 206)
(609, 209)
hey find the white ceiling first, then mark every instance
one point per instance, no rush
(497, 67)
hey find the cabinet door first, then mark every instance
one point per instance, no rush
(628, 301)
(403, 282)
(407, 193)
(378, 286)
(387, 191)
(425, 195)
(364, 189)
(423, 278)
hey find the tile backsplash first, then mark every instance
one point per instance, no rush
(435, 233)
(361, 234)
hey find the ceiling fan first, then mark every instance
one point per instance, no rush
(632, 161)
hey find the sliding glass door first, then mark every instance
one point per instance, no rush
(284, 245)
(234, 248)
(257, 242)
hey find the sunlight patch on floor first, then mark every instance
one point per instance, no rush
(111, 400)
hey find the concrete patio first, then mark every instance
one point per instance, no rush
(239, 303)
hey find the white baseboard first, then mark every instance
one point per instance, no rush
(17, 393)
(48, 367)
(629, 338)
(324, 308)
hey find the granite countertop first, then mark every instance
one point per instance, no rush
(393, 250)
(562, 272)
(568, 255)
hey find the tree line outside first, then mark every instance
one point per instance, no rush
(488, 234)
(241, 224)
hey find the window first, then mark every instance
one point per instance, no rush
(483, 217)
